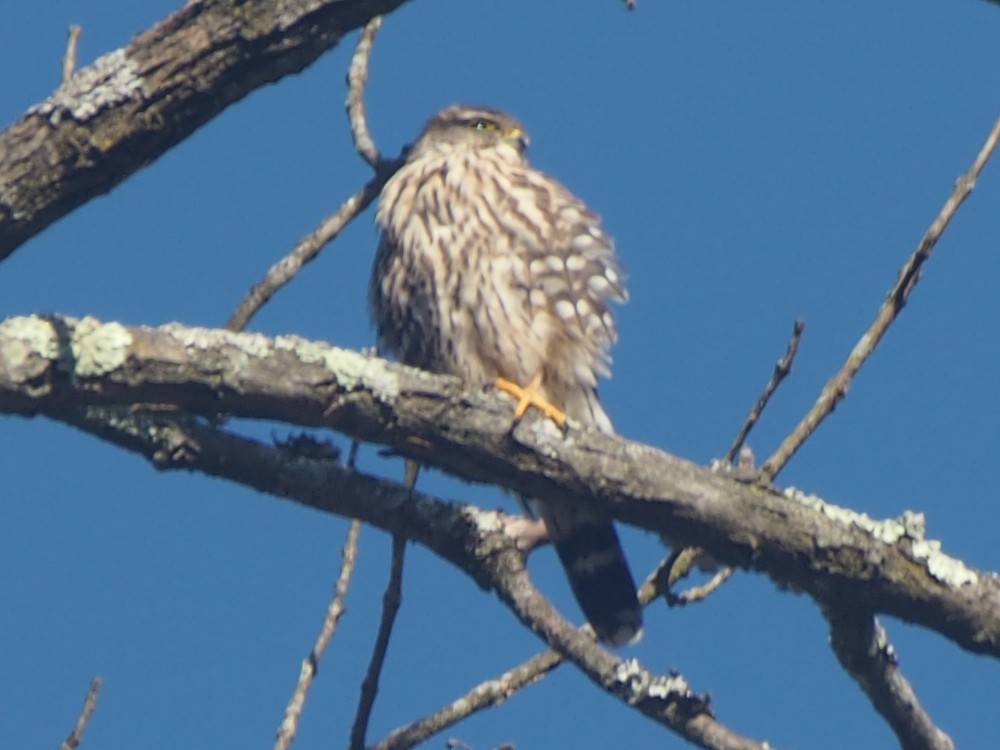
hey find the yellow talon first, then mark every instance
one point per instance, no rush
(529, 396)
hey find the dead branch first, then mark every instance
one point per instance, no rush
(390, 607)
(125, 110)
(54, 366)
(476, 541)
(863, 649)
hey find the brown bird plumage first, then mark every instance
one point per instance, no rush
(490, 269)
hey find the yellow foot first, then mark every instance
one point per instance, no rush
(529, 396)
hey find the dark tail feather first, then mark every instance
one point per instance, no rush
(588, 546)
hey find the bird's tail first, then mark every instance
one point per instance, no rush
(588, 546)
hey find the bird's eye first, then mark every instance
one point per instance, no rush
(484, 125)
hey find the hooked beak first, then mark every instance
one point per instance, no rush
(517, 138)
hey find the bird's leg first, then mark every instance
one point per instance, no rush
(410, 479)
(530, 396)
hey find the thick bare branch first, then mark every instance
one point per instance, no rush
(474, 540)
(310, 665)
(863, 649)
(127, 108)
(665, 699)
(51, 366)
(494, 692)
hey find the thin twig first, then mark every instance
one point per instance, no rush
(679, 565)
(308, 248)
(699, 593)
(89, 704)
(674, 567)
(664, 575)
(310, 665)
(485, 695)
(357, 77)
(894, 302)
(69, 59)
(863, 649)
(781, 369)
(390, 606)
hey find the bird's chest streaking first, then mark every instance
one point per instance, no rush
(487, 268)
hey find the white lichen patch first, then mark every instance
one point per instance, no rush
(546, 436)
(358, 370)
(945, 569)
(111, 79)
(642, 683)
(910, 525)
(309, 352)
(98, 348)
(351, 369)
(487, 521)
(23, 338)
(204, 339)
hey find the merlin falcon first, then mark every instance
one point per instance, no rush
(492, 271)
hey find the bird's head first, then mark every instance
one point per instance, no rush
(462, 127)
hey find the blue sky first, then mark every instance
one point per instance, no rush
(756, 163)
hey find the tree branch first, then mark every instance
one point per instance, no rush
(475, 541)
(56, 365)
(279, 274)
(125, 110)
(89, 704)
(310, 665)
(863, 649)
(391, 600)
(895, 300)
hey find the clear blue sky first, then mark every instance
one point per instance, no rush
(757, 162)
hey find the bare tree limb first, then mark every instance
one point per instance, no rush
(665, 699)
(310, 665)
(89, 704)
(909, 275)
(55, 365)
(494, 692)
(863, 649)
(474, 540)
(390, 607)
(130, 106)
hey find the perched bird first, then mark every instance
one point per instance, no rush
(493, 271)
